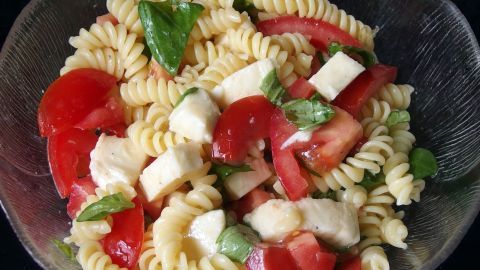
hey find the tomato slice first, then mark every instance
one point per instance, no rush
(301, 88)
(294, 179)
(124, 242)
(356, 148)
(154, 208)
(158, 72)
(109, 114)
(356, 95)
(72, 97)
(241, 124)
(309, 254)
(101, 20)
(265, 257)
(354, 263)
(249, 202)
(321, 33)
(81, 188)
(316, 66)
(331, 143)
(68, 152)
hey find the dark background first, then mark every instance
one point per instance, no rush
(14, 256)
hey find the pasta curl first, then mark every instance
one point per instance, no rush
(205, 53)
(92, 257)
(126, 12)
(215, 22)
(142, 92)
(294, 43)
(374, 258)
(356, 195)
(397, 96)
(398, 179)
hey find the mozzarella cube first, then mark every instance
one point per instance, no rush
(336, 75)
(164, 175)
(116, 160)
(240, 183)
(334, 222)
(203, 233)
(275, 219)
(195, 117)
(243, 83)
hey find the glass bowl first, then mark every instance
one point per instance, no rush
(429, 40)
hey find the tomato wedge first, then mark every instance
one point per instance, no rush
(301, 88)
(241, 124)
(109, 114)
(81, 188)
(354, 263)
(124, 242)
(321, 33)
(71, 98)
(265, 257)
(154, 208)
(356, 95)
(294, 178)
(309, 254)
(69, 157)
(249, 202)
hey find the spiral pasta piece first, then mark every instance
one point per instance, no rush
(324, 11)
(394, 232)
(133, 114)
(190, 74)
(356, 195)
(397, 96)
(104, 59)
(128, 191)
(398, 179)
(372, 154)
(343, 176)
(377, 110)
(126, 12)
(157, 115)
(214, 4)
(418, 187)
(302, 63)
(374, 258)
(142, 92)
(403, 139)
(151, 141)
(217, 261)
(148, 259)
(294, 43)
(92, 257)
(215, 22)
(372, 128)
(206, 53)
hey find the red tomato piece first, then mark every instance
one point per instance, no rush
(158, 72)
(124, 242)
(316, 65)
(354, 263)
(249, 202)
(154, 208)
(301, 88)
(107, 115)
(321, 33)
(81, 188)
(356, 95)
(356, 148)
(266, 257)
(116, 130)
(107, 18)
(67, 152)
(293, 178)
(72, 97)
(309, 255)
(241, 124)
(331, 143)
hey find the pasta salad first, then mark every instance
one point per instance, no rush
(231, 134)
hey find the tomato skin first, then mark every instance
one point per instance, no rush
(72, 97)
(293, 178)
(154, 208)
(265, 257)
(124, 243)
(356, 148)
(249, 202)
(309, 254)
(357, 94)
(354, 263)
(81, 188)
(109, 114)
(301, 88)
(321, 33)
(316, 66)
(241, 124)
(158, 72)
(68, 151)
(101, 20)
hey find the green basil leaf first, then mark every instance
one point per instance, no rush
(321, 58)
(65, 249)
(243, 5)
(397, 117)
(330, 194)
(107, 205)
(167, 30)
(223, 170)
(422, 163)
(371, 181)
(306, 114)
(368, 58)
(316, 96)
(237, 242)
(190, 91)
(272, 88)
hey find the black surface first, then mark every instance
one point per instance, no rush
(14, 256)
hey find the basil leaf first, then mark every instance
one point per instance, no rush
(321, 58)
(368, 58)
(330, 194)
(370, 180)
(422, 163)
(306, 114)
(272, 88)
(237, 242)
(107, 205)
(65, 249)
(243, 5)
(223, 170)
(397, 117)
(167, 31)
(190, 91)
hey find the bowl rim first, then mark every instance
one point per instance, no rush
(432, 263)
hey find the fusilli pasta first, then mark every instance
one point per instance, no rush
(206, 53)
(142, 92)
(215, 22)
(374, 258)
(126, 12)
(398, 96)
(356, 195)
(92, 257)
(398, 179)
(293, 43)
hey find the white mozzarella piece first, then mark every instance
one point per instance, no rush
(243, 83)
(240, 183)
(204, 231)
(195, 117)
(336, 75)
(116, 160)
(164, 175)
